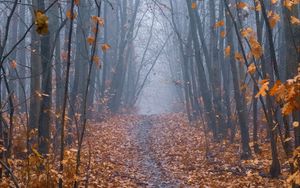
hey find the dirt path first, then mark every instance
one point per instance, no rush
(166, 152)
(149, 165)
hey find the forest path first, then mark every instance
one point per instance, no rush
(149, 165)
(165, 151)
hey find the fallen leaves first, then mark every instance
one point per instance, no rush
(180, 148)
(138, 151)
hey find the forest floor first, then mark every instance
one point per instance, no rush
(165, 151)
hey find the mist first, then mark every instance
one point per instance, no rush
(149, 93)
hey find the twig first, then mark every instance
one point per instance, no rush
(13, 177)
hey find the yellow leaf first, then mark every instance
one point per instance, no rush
(295, 124)
(36, 152)
(274, 1)
(251, 68)
(41, 22)
(227, 51)
(194, 5)
(219, 24)
(295, 21)
(258, 7)
(105, 47)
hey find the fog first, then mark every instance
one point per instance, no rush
(230, 68)
(158, 95)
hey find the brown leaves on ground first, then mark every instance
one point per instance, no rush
(179, 151)
(182, 150)
(145, 151)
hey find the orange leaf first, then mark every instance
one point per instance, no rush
(223, 34)
(227, 51)
(76, 2)
(295, 21)
(273, 18)
(256, 48)
(258, 7)
(264, 88)
(105, 47)
(219, 24)
(274, 89)
(241, 5)
(251, 68)
(90, 40)
(288, 4)
(246, 32)
(96, 60)
(13, 64)
(98, 20)
(287, 108)
(69, 14)
(239, 57)
(194, 5)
